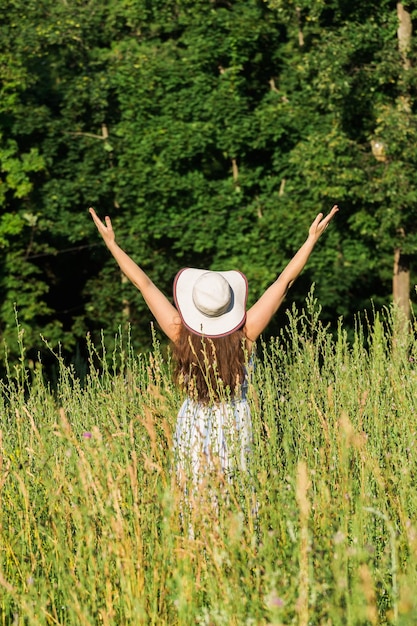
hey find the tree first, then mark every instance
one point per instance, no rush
(362, 96)
(52, 106)
(187, 167)
(211, 132)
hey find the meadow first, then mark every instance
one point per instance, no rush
(321, 530)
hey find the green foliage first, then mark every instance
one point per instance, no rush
(15, 169)
(212, 133)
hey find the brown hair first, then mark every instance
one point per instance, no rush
(209, 368)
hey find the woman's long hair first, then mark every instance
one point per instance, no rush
(210, 369)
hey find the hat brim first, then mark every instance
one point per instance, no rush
(194, 319)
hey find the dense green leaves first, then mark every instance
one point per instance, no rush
(212, 133)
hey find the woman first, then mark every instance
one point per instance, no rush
(212, 336)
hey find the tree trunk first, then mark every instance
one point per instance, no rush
(401, 283)
(404, 34)
(125, 302)
(401, 274)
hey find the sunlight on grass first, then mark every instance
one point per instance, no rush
(322, 529)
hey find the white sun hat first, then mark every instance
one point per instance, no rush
(211, 303)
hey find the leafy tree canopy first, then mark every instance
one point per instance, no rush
(212, 133)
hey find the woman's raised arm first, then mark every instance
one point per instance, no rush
(260, 314)
(164, 312)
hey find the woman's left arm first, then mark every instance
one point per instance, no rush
(165, 313)
(260, 314)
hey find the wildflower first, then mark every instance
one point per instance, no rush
(87, 435)
(274, 600)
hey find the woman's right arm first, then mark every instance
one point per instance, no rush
(260, 314)
(165, 313)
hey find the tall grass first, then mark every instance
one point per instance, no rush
(321, 530)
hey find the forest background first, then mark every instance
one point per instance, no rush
(212, 132)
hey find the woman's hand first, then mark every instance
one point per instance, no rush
(320, 224)
(105, 230)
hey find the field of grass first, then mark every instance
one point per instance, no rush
(321, 531)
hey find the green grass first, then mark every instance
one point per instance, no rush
(323, 530)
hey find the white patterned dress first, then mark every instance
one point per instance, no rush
(215, 437)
